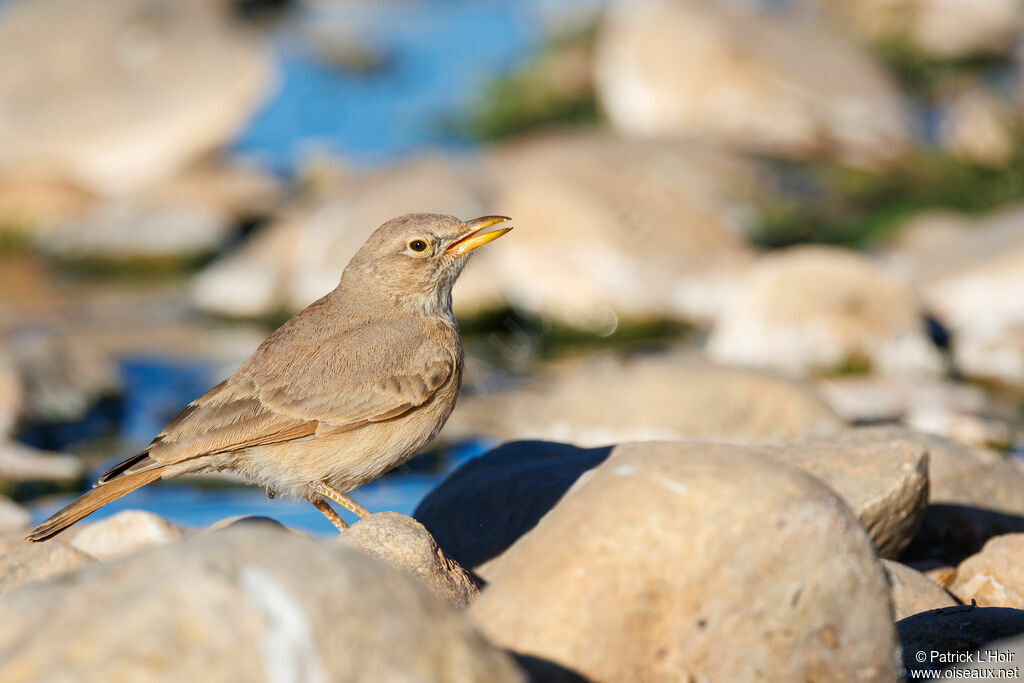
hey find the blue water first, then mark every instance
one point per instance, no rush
(438, 56)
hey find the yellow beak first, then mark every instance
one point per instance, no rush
(475, 237)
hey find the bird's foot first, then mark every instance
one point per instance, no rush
(341, 499)
(328, 512)
(271, 493)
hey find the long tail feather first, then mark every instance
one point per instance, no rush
(91, 501)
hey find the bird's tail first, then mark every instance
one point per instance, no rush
(91, 501)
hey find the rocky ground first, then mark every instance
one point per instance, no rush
(752, 361)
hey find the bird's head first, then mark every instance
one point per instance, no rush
(415, 259)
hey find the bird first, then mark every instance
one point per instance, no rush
(350, 387)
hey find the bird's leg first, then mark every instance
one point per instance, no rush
(271, 493)
(323, 506)
(341, 499)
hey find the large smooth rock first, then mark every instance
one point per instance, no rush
(406, 545)
(487, 504)
(978, 126)
(937, 28)
(674, 395)
(929, 636)
(242, 604)
(995, 576)
(820, 309)
(965, 267)
(913, 592)
(879, 472)
(669, 558)
(122, 534)
(121, 94)
(25, 562)
(300, 256)
(654, 230)
(774, 81)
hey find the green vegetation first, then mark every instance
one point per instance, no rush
(836, 205)
(555, 88)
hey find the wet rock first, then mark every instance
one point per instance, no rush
(283, 606)
(406, 545)
(941, 28)
(596, 586)
(123, 533)
(13, 517)
(26, 562)
(674, 395)
(994, 577)
(121, 95)
(879, 472)
(913, 592)
(772, 81)
(655, 230)
(823, 309)
(953, 630)
(964, 267)
(300, 256)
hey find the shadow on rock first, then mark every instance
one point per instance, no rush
(488, 503)
(933, 640)
(951, 532)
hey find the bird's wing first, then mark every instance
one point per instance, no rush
(373, 373)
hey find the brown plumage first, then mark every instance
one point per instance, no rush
(353, 385)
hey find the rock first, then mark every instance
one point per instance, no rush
(955, 410)
(938, 28)
(665, 244)
(822, 309)
(29, 562)
(246, 521)
(284, 607)
(975, 494)
(19, 462)
(299, 257)
(999, 660)
(62, 378)
(123, 533)
(912, 591)
(994, 577)
(489, 502)
(674, 395)
(978, 127)
(13, 517)
(120, 230)
(406, 545)
(964, 267)
(953, 630)
(123, 95)
(646, 568)
(11, 394)
(879, 472)
(774, 82)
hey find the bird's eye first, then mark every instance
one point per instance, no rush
(419, 246)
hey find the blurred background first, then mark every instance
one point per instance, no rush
(735, 220)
